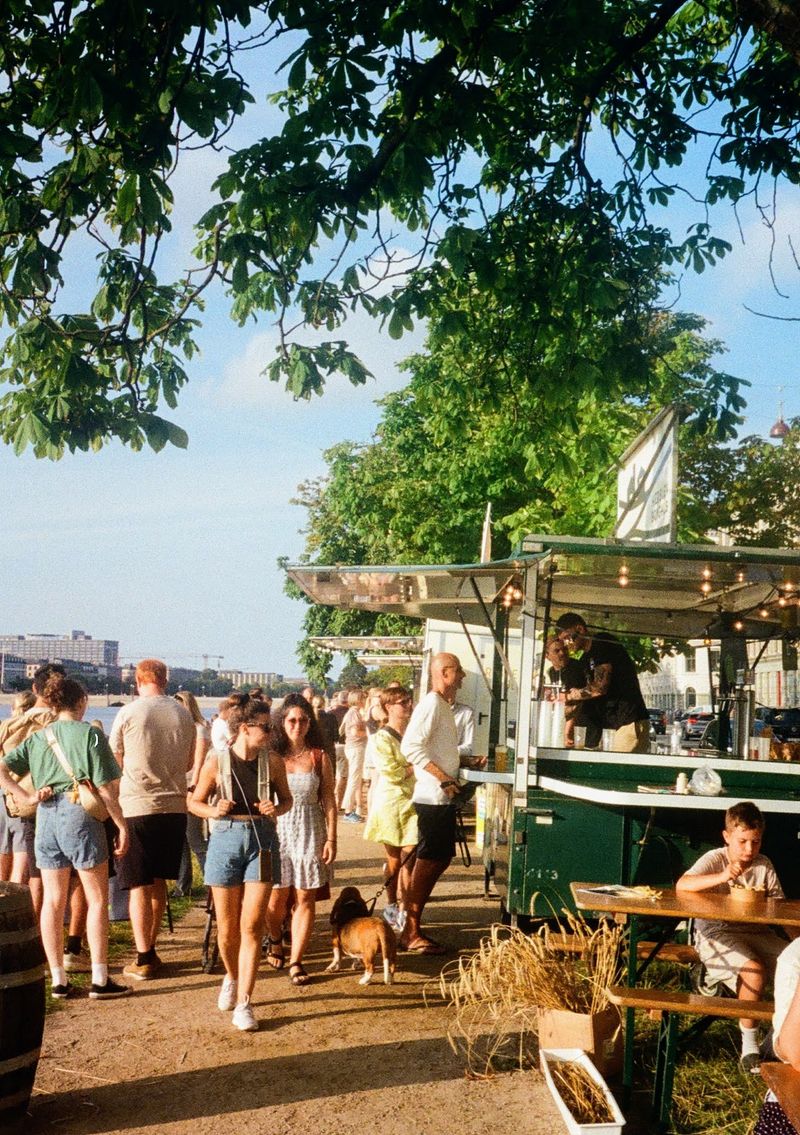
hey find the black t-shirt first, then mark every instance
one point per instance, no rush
(574, 676)
(624, 702)
(244, 783)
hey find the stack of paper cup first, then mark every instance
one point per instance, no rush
(544, 726)
(557, 730)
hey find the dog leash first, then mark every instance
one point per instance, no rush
(411, 855)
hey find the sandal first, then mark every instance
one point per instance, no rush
(275, 955)
(297, 974)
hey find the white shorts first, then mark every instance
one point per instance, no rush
(728, 952)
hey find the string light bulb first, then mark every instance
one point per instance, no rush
(623, 577)
(738, 625)
(705, 587)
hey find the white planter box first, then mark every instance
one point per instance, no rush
(549, 1056)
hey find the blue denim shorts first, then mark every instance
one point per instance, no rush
(67, 836)
(233, 851)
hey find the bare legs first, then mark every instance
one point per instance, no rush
(424, 877)
(400, 876)
(241, 913)
(147, 905)
(55, 885)
(302, 925)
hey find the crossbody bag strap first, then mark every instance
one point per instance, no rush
(55, 745)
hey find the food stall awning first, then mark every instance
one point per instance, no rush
(397, 644)
(661, 590)
(671, 590)
(375, 650)
(443, 591)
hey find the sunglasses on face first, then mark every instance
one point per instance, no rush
(296, 721)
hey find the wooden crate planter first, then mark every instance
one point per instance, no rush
(551, 1056)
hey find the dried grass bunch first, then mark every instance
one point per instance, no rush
(496, 994)
(582, 1095)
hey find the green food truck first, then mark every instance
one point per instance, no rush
(558, 814)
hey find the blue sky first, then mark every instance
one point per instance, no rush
(175, 554)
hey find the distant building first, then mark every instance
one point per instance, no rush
(74, 668)
(239, 678)
(74, 647)
(684, 680)
(12, 669)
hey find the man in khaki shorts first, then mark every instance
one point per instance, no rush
(612, 685)
(153, 739)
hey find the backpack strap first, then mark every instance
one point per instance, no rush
(263, 775)
(224, 779)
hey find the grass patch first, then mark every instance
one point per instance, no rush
(711, 1095)
(120, 940)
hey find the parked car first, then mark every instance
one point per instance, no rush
(694, 724)
(784, 722)
(658, 720)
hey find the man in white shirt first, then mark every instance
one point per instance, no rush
(220, 733)
(430, 744)
(465, 728)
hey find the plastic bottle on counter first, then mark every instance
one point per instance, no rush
(682, 784)
(675, 738)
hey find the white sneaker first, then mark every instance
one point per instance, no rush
(227, 995)
(243, 1018)
(75, 963)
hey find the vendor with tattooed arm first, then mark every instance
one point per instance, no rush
(612, 685)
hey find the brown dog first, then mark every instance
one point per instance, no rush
(357, 935)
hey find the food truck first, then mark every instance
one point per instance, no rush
(556, 814)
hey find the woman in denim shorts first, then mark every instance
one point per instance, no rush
(243, 860)
(66, 835)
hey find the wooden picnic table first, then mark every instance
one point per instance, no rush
(667, 907)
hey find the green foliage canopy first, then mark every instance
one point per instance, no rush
(544, 458)
(519, 151)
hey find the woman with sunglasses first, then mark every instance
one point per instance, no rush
(243, 860)
(392, 818)
(307, 833)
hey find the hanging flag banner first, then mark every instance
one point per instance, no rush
(647, 483)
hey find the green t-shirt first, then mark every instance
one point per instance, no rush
(86, 749)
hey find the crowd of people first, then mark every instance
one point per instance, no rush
(254, 797)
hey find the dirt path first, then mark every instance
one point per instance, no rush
(334, 1058)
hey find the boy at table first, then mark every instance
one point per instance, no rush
(740, 956)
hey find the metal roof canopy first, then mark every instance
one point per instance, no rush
(431, 591)
(397, 643)
(663, 596)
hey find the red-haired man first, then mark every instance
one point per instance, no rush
(153, 739)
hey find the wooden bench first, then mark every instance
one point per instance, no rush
(695, 1004)
(784, 1081)
(669, 952)
(672, 1003)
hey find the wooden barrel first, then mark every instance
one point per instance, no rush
(22, 1001)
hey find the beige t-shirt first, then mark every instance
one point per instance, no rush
(760, 873)
(153, 739)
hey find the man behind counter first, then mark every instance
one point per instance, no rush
(612, 684)
(571, 674)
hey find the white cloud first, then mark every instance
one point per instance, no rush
(244, 383)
